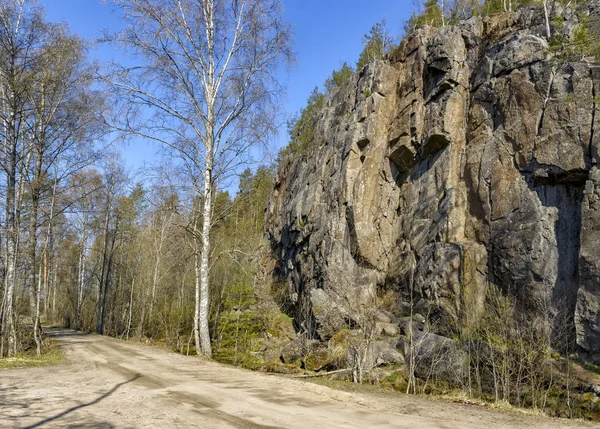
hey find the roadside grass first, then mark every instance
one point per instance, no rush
(455, 396)
(52, 353)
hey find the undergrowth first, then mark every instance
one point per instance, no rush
(52, 353)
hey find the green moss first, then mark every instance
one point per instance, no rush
(397, 381)
(282, 368)
(340, 338)
(246, 329)
(51, 354)
(318, 360)
(278, 324)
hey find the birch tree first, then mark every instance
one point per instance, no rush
(48, 118)
(206, 87)
(64, 113)
(20, 34)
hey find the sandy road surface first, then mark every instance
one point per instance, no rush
(106, 383)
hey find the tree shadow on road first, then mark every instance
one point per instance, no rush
(100, 425)
(80, 406)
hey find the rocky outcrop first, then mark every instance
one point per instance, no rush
(468, 158)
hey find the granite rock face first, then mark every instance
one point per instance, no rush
(465, 160)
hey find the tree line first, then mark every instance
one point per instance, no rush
(50, 113)
(81, 244)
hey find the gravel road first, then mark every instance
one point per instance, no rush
(107, 383)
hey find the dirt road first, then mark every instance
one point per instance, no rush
(106, 383)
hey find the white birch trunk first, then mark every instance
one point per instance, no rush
(547, 18)
(159, 247)
(197, 297)
(154, 283)
(211, 88)
(10, 149)
(82, 266)
(204, 268)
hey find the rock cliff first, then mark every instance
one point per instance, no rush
(469, 158)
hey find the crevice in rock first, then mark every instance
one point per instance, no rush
(396, 139)
(353, 238)
(439, 94)
(544, 174)
(546, 99)
(442, 90)
(591, 141)
(490, 203)
(383, 241)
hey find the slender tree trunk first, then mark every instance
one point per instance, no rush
(204, 261)
(45, 284)
(36, 322)
(197, 297)
(130, 307)
(120, 328)
(37, 327)
(211, 88)
(4, 309)
(107, 282)
(547, 19)
(35, 272)
(53, 276)
(82, 266)
(142, 317)
(156, 270)
(101, 291)
(8, 328)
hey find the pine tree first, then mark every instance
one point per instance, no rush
(376, 44)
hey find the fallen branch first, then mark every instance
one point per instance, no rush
(323, 374)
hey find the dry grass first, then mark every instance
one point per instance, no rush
(52, 353)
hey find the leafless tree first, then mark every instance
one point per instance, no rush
(206, 87)
(20, 35)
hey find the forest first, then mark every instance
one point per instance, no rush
(180, 259)
(83, 245)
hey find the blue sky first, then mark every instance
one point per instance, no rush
(326, 33)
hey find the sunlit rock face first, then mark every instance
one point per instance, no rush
(467, 159)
